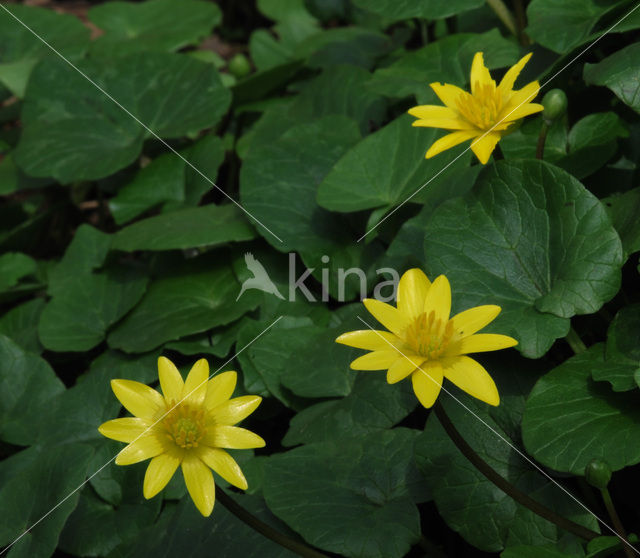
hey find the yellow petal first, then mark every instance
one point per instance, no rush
(483, 146)
(434, 116)
(235, 410)
(159, 472)
(223, 464)
(479, 73)
(124, 429)
(412, 292)
(220, 389)
(139, 399)
(480, 343)
(402, 367)
(199, 481)
(438, 299)
(376, 360)
(387, 315)
(523, 110)
(170, 380)
(470, 376)
(521, 97)
(195, 388)
(369, 339)
(232, 437)
(457, 124)
(449, 141)
(472, 320)
(448, 93)
(427, 381)
(509, 79)
(143, 448)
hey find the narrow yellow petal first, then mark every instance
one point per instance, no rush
(521, 97)
(195, 388)
(427, 381)
(434, 116)
(449, 141)
(470, 376)
(232, 437)
(234, 410)
(223, 464)
(483, 146)
(479, 73)
(159, 472)
(199, 481)
(480, 343)
(453, 124)
(143, 448)
(139, 399)
(376, 360)
(220, 388)
(522, 111)
(369, 339)
(509, 79)
(474, 319)
(438, 299)
(412, 292)
(387, 315)
(124, 429)
(171, 381)
(402, 367)
(448, 93)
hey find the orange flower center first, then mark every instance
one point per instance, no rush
(428, 336)
(185, 425)
(483, 107)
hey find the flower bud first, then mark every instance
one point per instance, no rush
(239, 66)
(555, 104)
(598, 473)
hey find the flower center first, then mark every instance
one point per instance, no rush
(185, 425)
(482, 109)
(428, 336)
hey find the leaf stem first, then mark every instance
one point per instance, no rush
(615, 519)
(575, 342)
(505, 485)
(266, 530)
(504, 15)
(542, 138)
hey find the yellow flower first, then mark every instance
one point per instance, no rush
(487, 113)
(189, 426)
(424, 343)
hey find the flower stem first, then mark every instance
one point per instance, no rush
(575, 342)
(266, 530)
(521, 22)
(504, 15)
(615, 519)
(542, 138)
(505, 485)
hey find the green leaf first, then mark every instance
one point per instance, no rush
(72, 131)
(530, 238)
(37, 482)
(362, 179)
(397, 10)
(446, 60)
(623, 210)
(570, 419)
(562, 26)
(359, 487)
(522, 143)
(259, 85)
(163, 25)
(372, 406)
(471, 504)
(619, 73)
(27, 384)
(217, 343)
(532, 552)
(13, 267)
(194, 227)
(198, 296)
(21, 48)
(21, 324)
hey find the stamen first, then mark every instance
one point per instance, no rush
(428, 336)
(185, 425)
